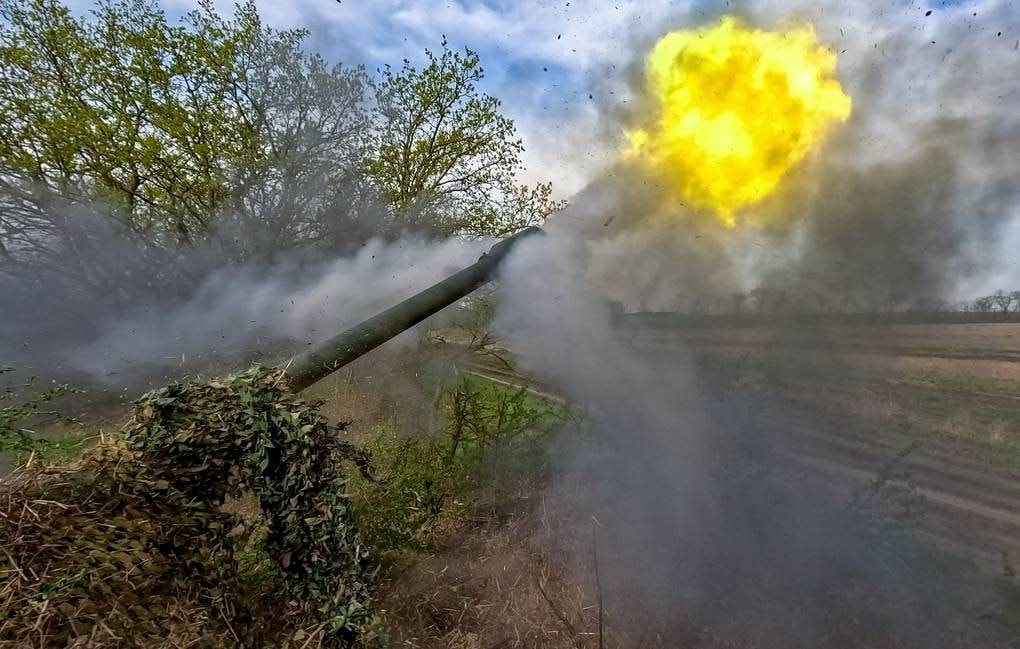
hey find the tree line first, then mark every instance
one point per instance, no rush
(776, 301)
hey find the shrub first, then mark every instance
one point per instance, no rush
(488, 429)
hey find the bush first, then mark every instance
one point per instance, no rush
(488, 429)
(14, 415)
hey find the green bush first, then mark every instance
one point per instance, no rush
(488, 430)
(15, 414)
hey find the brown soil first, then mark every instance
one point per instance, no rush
(951, 389)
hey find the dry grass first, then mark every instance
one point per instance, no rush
(498, 582)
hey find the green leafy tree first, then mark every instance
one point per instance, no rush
(443, 154)
(122, 107)
(225, 130)
(214, 129)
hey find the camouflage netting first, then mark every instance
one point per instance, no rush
(132, 546)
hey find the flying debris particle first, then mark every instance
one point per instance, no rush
(927, 13)
(559, 36)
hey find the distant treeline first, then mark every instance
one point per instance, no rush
(763, 307)
(646, 320)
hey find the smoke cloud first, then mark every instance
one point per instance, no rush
(904, 206)
(148, 315)
(701, 535)
(242, 312)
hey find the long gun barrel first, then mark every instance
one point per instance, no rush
(329, 356)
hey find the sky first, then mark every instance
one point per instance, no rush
(563, 69)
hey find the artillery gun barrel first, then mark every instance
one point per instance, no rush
(330, 355)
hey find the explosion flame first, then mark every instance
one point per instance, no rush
(737, 109)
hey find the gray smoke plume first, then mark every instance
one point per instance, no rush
(104, 308)
(906, 205)
(246, 312)
(699, 532)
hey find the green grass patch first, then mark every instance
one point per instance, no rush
(491, 436)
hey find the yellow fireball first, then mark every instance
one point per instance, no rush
(735, 109)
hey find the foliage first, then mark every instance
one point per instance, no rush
(171, 125)
(14, 436)
(999, 301)
(140, 524)
(488, 427)
(445, 155)
(312, 121)
(228, 131)
(125, 107)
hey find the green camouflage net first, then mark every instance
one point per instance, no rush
(132, 546)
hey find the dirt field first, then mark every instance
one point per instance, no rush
(951, 392)
(920, 423)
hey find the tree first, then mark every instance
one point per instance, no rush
(213, 128)
(769, 300)
(311, 123)
(739, 302)
(123, 108)
(984, 304)
(1002, 300)
(443, 154)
